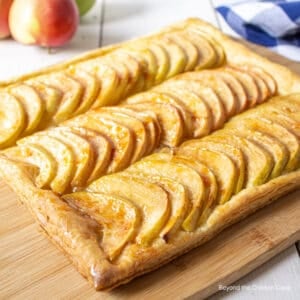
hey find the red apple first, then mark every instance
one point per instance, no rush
(4, 11)
(47, 23)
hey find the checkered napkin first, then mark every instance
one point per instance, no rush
(273, 24)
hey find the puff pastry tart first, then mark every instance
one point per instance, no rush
(116, 208)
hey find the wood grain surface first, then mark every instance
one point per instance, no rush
(32, 268)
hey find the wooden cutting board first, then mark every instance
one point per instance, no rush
(32, 268)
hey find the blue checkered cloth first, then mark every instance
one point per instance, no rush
(273, 24)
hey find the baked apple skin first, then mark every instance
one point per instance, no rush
(4, 12)
(47, 23)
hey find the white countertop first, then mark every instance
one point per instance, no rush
(112, 21)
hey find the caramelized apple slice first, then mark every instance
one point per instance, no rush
(150, 61)
(123, 64)
(32, 104)
(209, 180)
(207, 78)
(106, 75)
(91, 88)
(150, 122)
(136, 126)
(268, 79)
(177, 56)
(221, 165)
(179, 202)
(161, 164)
(102, 149)
(83, 154)
(219, 51)
(262, 86)
(51, 97)
(259, 161)
(62, 154)
(191, 51)
(277, 149)
(206, 94)
(236, 87)
(248, 83)
(202, 119)
(39, 156)
(118, 217)
(120, 136)
(207, 53)
(163, 62)
(169, 119)
(232, 152)
(276, 130)
(162, 97)
(71, 93)
(151, 199)
(12, 119)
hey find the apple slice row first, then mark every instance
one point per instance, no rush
(178, 190)
(84, 148)
(192, 105)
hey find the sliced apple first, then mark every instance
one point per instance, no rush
(12, 119)
(208, 78)
(62, 154)
(159, 96)
(32, 103)
(51, 97)
(279, 132)
(118, 217)
(71, 93)
(201, 115)
(161, 164)
(91, 88)
(121, 137)
(142, 51)
(179, 202)
(268, 79)
(234, 153)
(150, 122)
(177, 56)
(163, 62)
(151, 199)
(236, 87)
(189, 47)
(82, 153)
(277, 149)
(209, 180)
(221, 165)
(169, 119)
(260, 162)
(106, 75)
(262, 86)
(102, 149)
(206, 94)
(250, 86)
(39, 156)
(128, 71)
(136, 126)
(219, 50)
(207, 53)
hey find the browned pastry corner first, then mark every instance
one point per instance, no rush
(124, 189)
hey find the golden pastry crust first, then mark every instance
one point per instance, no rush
(77, 234)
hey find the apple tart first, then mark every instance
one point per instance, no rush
(124, 189)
